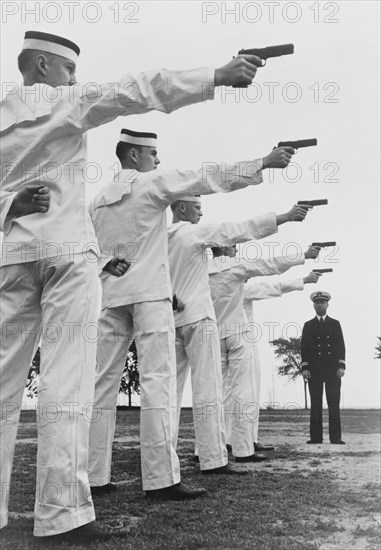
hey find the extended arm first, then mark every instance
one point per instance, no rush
(170, 185)
(277, 265)
(225, 234)
(256, 290)
(221, 178)
(229, 233)
(89, 106)
(160, 90)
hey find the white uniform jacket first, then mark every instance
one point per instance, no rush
(130, 221)
(227, 278)
(43, 140)
(188, 260)
(256, 290)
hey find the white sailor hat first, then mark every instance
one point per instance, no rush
(51, 43)
(320, 295)
(189, 198)
(146, 139)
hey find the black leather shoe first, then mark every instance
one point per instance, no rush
(98, 490)
(259, 447)
(175, 492)
(256, 457)
(95, 530)
(310, 442)
(225, 470)
(338, 442)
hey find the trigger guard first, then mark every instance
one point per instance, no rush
(264, 61)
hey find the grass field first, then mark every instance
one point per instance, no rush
(304, 497)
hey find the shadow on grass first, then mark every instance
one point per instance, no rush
(269, 509)
(266, 510)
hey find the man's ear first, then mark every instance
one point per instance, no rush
(182, 207)
(134, 155)
(41, 63)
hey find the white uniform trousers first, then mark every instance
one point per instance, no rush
(256, 388)
(152, 325)
(57, 299)
(239, 382)
(199, 351)
(241, 407)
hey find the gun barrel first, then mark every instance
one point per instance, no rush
(299, 144)
(324, 244)
(322, 270)
(270, 51)
(317, 202)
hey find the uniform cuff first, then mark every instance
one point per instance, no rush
(291, 285)
(102, 262)
(208, 86)
(5, 220)
(267, 225)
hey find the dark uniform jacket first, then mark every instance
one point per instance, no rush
(323, 347)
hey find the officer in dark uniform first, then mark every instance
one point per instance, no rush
(323, 362)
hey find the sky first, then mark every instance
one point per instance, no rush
(329, 89)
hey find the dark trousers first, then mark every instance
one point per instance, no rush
(332, 392)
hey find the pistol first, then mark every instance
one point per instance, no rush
(270, 51)
(324, 244)
(327, 270)
(311, 204)
(298, 144)
(266, 53)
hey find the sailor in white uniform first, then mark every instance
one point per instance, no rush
(197, 338)
(129, 217)
(49, 263)
(255, 290)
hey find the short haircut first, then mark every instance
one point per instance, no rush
(26, 58)
(175, 204)
(122, 150)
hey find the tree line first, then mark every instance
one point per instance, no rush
(286, 349)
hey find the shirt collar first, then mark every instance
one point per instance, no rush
(323, 317)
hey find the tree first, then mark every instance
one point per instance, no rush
(289, 350)
(130, 380)
(129, 383)
(33, 375)
(378, 348)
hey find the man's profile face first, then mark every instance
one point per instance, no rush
(147, 159)
(192, 212)
(60, 71)
(320, 307)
